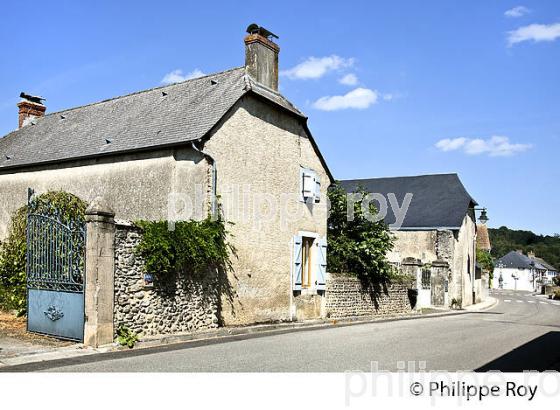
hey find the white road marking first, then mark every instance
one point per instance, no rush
(520, 301)
(507, 300)
(530, 301)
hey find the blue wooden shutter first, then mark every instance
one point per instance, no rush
(296, 263)
(321, 270)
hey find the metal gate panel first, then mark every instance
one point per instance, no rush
(54, 313)
(55, 272)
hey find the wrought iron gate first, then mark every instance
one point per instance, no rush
(55, 271)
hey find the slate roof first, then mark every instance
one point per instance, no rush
(543, 263)
(515, 260)
(438, 201)
(158, 117)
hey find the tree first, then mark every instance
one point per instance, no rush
(485, 260)
(358, 244)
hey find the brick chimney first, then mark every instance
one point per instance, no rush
(261, 56)
(30, 108)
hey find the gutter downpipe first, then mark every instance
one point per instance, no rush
(213, 203)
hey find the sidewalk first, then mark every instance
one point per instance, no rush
(222, 335)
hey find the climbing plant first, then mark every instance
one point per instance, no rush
(192, 246)
(13, 249)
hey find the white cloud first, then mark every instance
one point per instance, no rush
(449, 144)
(517, 11)
(176, 76)
(314, 67)
(388, 97)
(349, 79)
(495, 146)
(534, 32)
(359, 98)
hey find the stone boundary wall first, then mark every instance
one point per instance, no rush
(345, 297)
(172, 305)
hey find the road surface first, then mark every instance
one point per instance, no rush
(522, 332)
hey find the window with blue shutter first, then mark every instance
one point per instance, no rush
(297, 263)
(321, 269)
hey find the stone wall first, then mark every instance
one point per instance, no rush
(172, 305)
(345, 297)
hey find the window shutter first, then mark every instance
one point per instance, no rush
(308, 188)
(296, 263)
(317, 189)
(321, 271)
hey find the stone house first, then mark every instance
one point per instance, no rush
(169, 153)
(433, 221)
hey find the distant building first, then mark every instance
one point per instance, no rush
(437, 226)
(517, 271)
(550, 272)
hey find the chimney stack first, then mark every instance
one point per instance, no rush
(261, 56)
(30, 108)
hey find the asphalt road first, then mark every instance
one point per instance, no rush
(522, 332)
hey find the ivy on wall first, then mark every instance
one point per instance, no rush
(192, 246)
(13, 249)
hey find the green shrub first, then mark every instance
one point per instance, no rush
(126, 337)
(557, 295)
(13, 249)
(194, 247)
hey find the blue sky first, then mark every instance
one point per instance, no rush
(429, 87)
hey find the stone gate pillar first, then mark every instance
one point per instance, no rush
(100, 271)
(413, 267)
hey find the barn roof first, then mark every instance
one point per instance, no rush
(438, 201)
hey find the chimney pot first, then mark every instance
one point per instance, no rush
(261, 56)
(30, 108)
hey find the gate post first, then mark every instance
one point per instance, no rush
(100, 272)
(412, 266)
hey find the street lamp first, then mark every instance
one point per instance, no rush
(483, 216)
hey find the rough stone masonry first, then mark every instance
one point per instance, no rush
(347, 298)
(173, 304)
